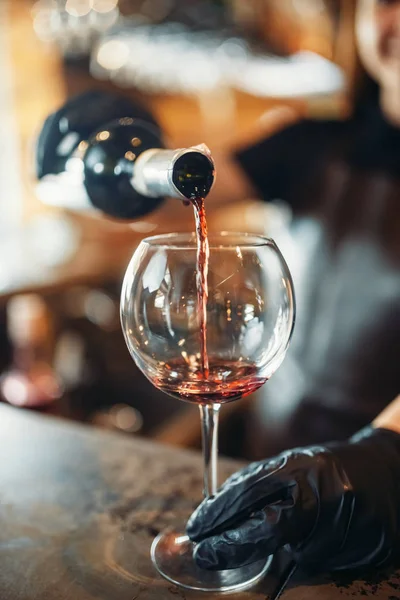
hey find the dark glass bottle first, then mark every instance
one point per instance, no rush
(107, 153)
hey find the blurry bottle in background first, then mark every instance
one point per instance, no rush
(104, 152)
(30, 381)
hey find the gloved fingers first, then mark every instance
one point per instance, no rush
(254, 468)
(245, 472)
(250, 490)
(253, 540)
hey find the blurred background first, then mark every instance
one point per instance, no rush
(210, 71)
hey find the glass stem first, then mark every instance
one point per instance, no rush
(209, 414)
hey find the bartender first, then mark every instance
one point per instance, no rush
(334, 506)
(341, 180)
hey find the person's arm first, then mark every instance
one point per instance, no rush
(390, 417)
(335, 506)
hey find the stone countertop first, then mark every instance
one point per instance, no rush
(79, 508)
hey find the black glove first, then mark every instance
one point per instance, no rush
(334, 507)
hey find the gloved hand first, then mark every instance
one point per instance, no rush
(334, 507)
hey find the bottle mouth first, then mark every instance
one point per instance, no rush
(193, 174)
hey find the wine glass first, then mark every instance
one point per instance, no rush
(250, 318)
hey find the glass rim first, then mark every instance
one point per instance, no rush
(188, 241)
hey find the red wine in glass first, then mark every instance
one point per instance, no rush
(226, 381)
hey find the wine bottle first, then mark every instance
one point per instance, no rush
(104, 152)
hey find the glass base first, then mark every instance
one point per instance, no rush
(172, 555)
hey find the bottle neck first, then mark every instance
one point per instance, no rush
(182, 173)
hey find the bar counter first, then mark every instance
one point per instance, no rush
(79, 508)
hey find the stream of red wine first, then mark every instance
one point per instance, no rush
(203, 254)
